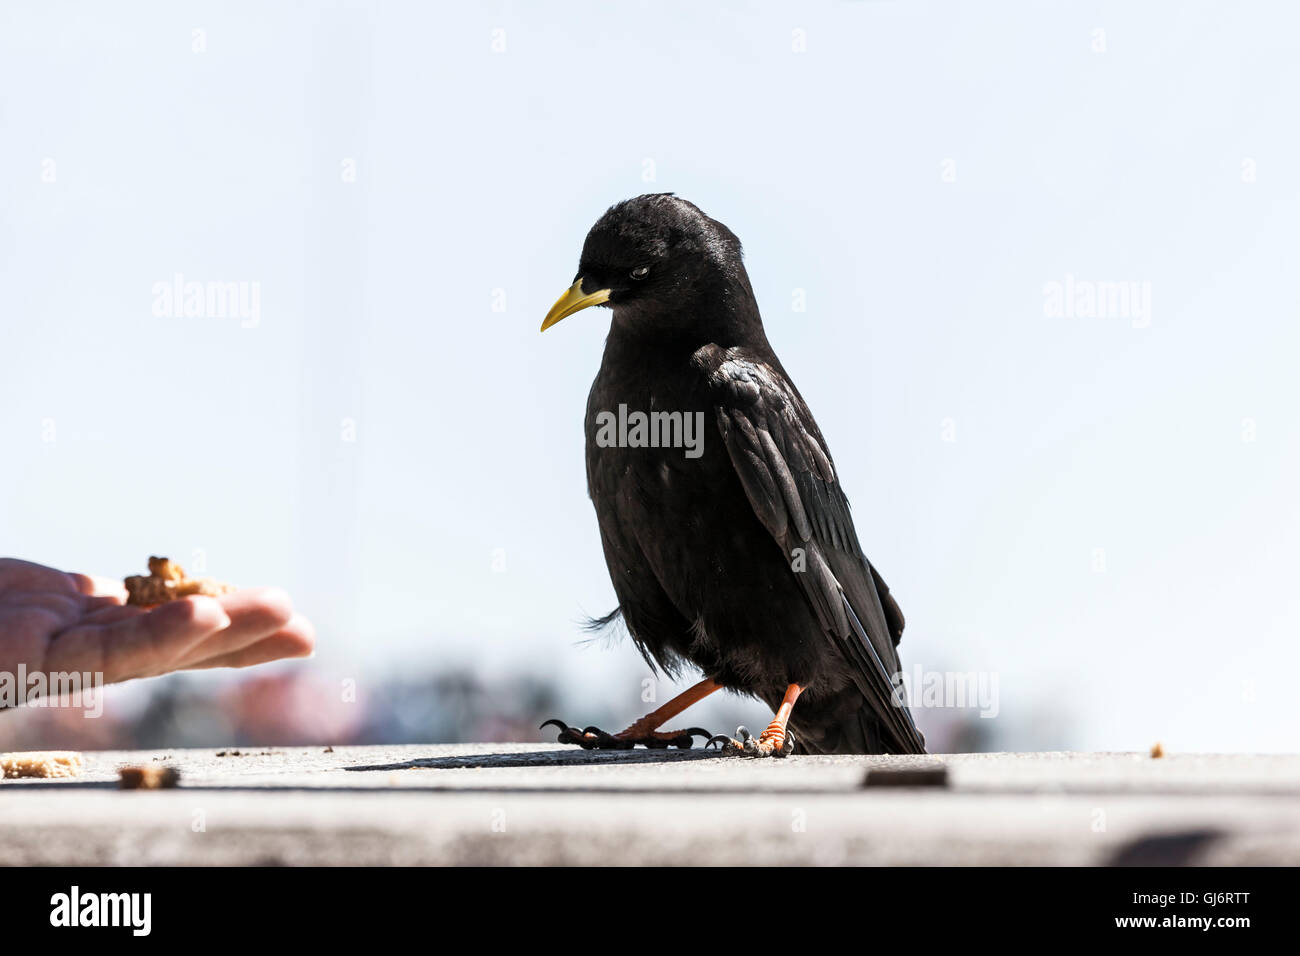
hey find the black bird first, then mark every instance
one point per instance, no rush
(724, 522)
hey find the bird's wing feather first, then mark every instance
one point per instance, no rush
(787, 473)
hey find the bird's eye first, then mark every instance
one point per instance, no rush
(640, 272)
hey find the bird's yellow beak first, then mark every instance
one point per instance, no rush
(573, 301)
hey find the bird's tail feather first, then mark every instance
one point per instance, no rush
(858, 733)
(885, 711)
(594, 625)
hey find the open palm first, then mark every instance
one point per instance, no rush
(53, 621)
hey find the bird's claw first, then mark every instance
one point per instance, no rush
(593, 738)
(681, 739)
(745, 744)
(588, 738)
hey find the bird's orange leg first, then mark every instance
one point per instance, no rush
(776, 730)
(657, 718)
(775, 741)
(644, 731)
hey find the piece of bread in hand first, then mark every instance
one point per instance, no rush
(167, 581)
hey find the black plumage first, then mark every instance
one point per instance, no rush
(741, 560)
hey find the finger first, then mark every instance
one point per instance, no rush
(298, 639)
(97, 602)
(68, 607)
(93, 584)
(255, 613)
(28, 576)
(107, 610)
(143, 645)
(112, 613)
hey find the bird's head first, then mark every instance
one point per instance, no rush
(655, 260)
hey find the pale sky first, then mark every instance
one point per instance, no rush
(1102, 512)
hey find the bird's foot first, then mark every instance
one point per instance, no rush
(593, 738)
(776, 741)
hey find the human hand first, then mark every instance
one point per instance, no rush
(52, 621)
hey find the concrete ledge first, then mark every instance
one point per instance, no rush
(542, 804)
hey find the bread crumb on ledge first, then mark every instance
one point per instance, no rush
(148, 778)
(41, 763)
(1157, 750)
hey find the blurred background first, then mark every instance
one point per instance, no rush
(1032, 265)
